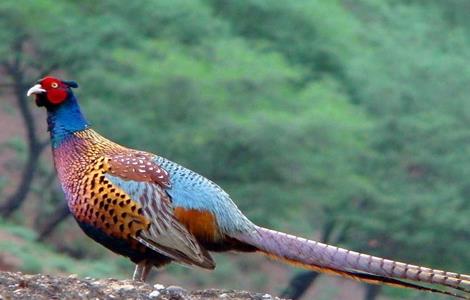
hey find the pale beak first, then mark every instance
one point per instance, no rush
(36, 89)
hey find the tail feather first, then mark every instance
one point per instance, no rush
(330, 259)
(370, 278)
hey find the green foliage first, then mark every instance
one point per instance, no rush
(36, 257)
(417, 91)
(303, 31)
(16, 144)
(3, 182)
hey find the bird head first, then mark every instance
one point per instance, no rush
(51, 91)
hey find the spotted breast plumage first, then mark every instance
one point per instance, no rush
(154, 211)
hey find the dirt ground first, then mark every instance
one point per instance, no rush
(22, 286)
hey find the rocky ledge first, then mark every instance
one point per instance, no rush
(22, 286)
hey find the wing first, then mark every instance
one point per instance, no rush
(194, 192)
(139, 182)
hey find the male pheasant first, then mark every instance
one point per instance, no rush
(155, 211)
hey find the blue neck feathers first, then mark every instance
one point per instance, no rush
(64, 120)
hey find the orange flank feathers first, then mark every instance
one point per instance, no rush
(200, 223)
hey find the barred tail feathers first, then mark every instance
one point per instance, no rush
(330, 259)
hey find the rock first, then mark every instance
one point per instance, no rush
(154, 294)
(174, 289)
(126, 288)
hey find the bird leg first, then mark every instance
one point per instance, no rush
(142, 270)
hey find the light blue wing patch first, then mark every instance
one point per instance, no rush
(193, 191)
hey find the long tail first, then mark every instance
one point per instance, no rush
(330, 259)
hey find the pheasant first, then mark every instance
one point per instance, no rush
(154, 211)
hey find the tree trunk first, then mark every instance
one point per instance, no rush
(372, 291)
(17, 198)
(35, 147)
(60, 214)
(299, 284)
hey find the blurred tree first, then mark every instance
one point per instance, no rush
(317, 35)
(17, 61)
(417, 90)
(372, 291)
(41, 42)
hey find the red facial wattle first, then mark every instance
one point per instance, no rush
(56, 91)
(56, 96)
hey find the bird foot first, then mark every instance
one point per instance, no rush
(142, 269)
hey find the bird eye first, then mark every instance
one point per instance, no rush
(54, 85)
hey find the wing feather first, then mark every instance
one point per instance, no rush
(166, 235)
(191, 190)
